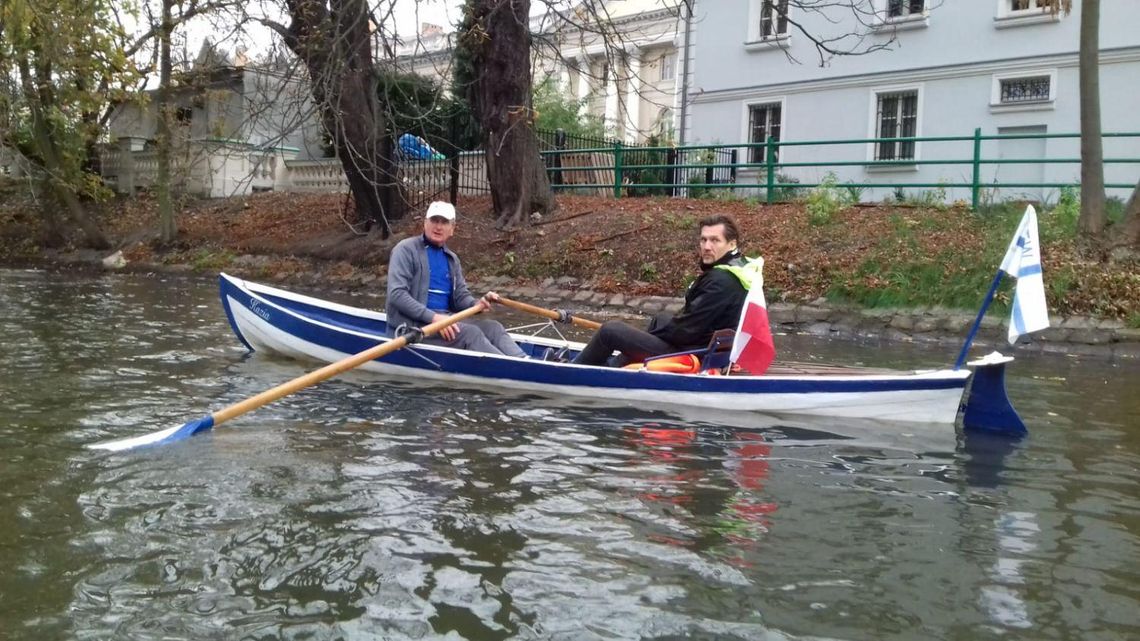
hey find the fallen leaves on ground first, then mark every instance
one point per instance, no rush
(879, 255)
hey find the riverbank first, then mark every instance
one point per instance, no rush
(1072, 335)
(892, 272)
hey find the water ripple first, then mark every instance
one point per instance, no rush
(370, 507)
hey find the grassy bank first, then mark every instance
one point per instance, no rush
(891, 255)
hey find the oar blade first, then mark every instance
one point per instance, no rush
(172, 434)
(168, 435)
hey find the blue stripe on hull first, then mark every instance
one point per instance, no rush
(338, 338)
(225, 285)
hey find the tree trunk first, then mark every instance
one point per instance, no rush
(92, 235)
(167, 229)
(1093, 218)
(53, 168)
(499, 42)
(336, 48)
(1126, 233)
(52, 225)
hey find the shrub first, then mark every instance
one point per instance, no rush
(782, 193)
(823, 202)
(208, 260)
(1061, 222)
(931, 199)
(1114, 209)
(696, 184)
(853, 194)
(650, 175)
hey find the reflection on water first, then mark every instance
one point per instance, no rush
(377, 508)
(1015, 533)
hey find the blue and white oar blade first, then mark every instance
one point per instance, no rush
(168, 435)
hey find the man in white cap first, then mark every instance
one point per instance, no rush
(425, 285)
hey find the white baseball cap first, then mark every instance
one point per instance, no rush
(441, 209)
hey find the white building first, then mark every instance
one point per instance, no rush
(1004, 66)
(235, 125)
(428, 55)
(625, 72)
(620, 61)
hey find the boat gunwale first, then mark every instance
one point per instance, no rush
(260, 291)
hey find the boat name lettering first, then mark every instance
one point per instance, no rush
(256, 308)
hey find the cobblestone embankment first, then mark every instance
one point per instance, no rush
(1077, 335)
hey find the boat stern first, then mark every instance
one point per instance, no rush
(987, 406)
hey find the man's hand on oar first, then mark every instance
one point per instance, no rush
(488, 298)
(449, 332)
(560, 316)
(312, 378)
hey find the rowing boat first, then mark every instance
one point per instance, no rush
(273, 320)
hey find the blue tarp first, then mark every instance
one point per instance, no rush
(413, 147)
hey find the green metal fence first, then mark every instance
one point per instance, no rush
(712, 170)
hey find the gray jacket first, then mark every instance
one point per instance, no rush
(408, 277)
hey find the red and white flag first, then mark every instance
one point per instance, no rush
(753, 348)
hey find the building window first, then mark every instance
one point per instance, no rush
(896, 117)
(1016, 13)
(663, 125)
(668, 66)
(763, 122)
(773, 18)
(904, 8)
(183, 116)
(1023, 90)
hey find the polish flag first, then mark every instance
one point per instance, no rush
(753, 348)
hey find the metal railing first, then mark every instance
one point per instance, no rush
(617, 169)
(460, 173)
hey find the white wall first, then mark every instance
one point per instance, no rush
(953, 62)
(959, 32)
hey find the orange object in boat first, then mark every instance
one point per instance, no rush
(683, 364)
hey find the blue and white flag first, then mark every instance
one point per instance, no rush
(1023, 262)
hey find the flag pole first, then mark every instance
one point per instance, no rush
(978, 321)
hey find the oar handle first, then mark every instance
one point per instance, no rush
(328, 371)
(548, 313)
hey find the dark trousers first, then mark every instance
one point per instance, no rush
(634, 345)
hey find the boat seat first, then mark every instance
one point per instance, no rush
(714, 356)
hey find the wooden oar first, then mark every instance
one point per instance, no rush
(549, 313)
(268, 396)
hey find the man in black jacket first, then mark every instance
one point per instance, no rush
(713, 302)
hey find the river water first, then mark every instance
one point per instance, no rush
(369, 508)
